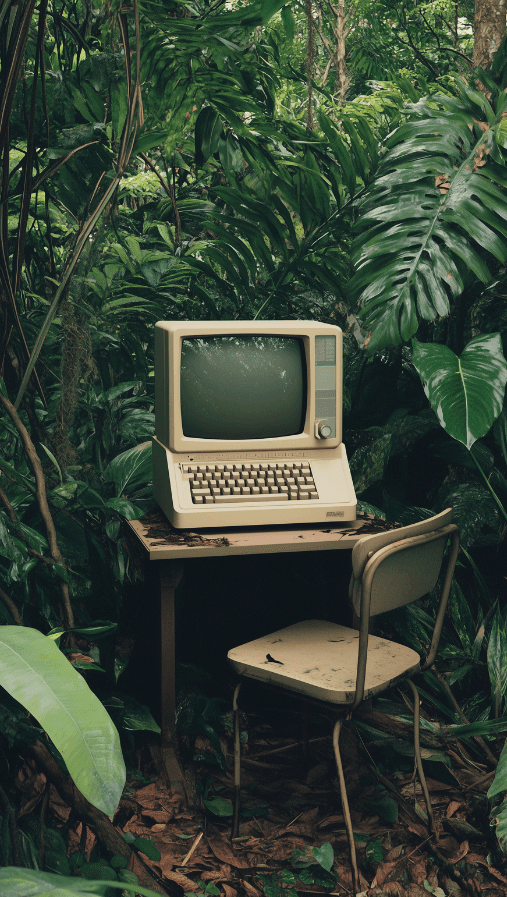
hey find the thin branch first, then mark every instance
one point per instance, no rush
(40, 483)
(165, 186)
(90, 815)
(11, 607)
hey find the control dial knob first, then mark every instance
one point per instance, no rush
(324, 430)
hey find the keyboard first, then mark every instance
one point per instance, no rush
(250, 482)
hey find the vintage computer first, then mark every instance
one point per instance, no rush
(248, 424)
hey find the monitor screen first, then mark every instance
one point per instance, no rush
(242, 386)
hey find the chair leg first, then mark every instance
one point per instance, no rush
(345, 805)
(305, 737)
(237, 763)
(418, 758)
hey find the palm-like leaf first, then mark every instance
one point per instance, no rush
(436, 211)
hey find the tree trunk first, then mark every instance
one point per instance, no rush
(489, 29)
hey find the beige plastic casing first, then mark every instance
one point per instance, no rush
(172, 449)
(330, 468)
(169, 336)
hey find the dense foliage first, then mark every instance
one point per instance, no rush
(190, 160)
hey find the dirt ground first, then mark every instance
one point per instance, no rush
(292, 806)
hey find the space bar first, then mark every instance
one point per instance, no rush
(275, 496)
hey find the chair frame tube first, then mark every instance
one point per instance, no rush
(370, 569)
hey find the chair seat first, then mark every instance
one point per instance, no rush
(319, 659)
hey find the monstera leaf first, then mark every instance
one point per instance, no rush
(435, 213)
(466, 392)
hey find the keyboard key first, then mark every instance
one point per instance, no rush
(198, 499)
(225, 499)
(209, 500)
(303, 496)
(204, 491)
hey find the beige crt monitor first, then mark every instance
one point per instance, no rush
(248, 424)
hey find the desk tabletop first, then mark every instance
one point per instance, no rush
(160, 541)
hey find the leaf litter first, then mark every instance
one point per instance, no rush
(292, 814)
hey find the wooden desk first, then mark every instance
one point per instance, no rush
(160, 542)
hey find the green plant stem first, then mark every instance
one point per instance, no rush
(501, 508)
(480, 741)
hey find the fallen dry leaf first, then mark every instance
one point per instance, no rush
(250, 890)
(186, 883)
(393, 854)
(383, 872)
(331, 820)
(283, 848)
(452, 807)
(223, 851)
(478, 860)
(229, 891)
(460, 853)
(418, 891)
(417, 871)
(37, 787)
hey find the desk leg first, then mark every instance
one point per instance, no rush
(170, 575)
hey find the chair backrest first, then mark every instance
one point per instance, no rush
(395, 568)
(398, 580)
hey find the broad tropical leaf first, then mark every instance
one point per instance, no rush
(367, 464)
(465, 392)
(130, 469)
(35, 672)
(16, 882)
(436, 211)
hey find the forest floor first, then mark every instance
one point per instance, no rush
(291, 808)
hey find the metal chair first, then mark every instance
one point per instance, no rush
(341, 666)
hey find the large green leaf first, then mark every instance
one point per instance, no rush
(367, 464)
(35, 672)
(436, 211)
(16, 882)
(466, 392)
(130, 469)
